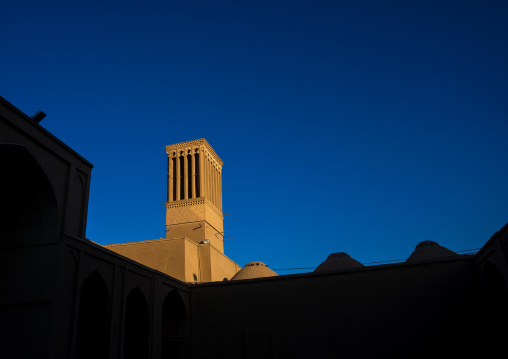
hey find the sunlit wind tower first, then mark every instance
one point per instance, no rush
(194, 202)
(193, 250)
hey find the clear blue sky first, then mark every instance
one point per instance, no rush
(345, 126)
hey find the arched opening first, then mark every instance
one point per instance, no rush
(198, 175)
(175, 327)
(93, 329)
(189, 176)
(28, 209)
(173, 160)
(136, 341)
(182, 176)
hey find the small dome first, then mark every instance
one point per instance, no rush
(254, 270)
(337, 262)
(428, 250)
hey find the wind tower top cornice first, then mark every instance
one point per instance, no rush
(194, 143)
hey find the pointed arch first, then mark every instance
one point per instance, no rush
(136, 341)
(175, 327)
(93, 330)
(29, 209)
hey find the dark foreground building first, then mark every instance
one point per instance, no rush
(64, 296)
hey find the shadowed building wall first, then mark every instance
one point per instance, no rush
(393, 311)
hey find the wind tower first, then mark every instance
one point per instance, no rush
(194, 202)
(193, 250)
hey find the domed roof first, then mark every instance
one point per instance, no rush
(337, 262)
(428, 250)
(254, 270)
